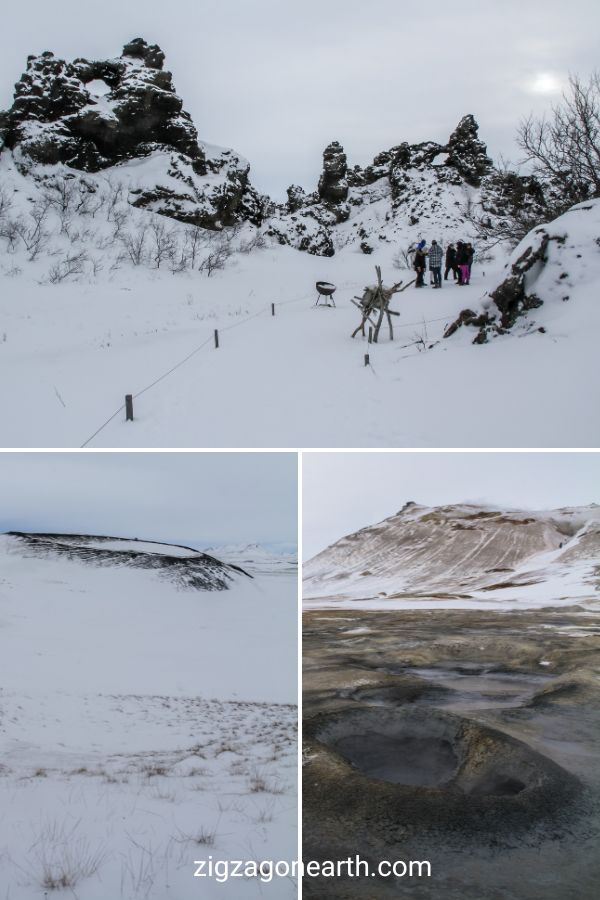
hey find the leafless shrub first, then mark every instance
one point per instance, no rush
(119, 219)
(217, 257)
(31, 230)
(97, 266)
(256, 242)
(162, 242)
(135, 245)
(194, 241)
(114, 199)
(401, 258)
(70, 264)
(564, 147)
(10, 231)
(6, 201)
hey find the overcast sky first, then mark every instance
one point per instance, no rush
(196, 499)
(345, 492)
(277, 80)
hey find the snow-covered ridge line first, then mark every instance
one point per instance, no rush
(185, 567)
(463, 555)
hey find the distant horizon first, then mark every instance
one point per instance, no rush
(202, 545)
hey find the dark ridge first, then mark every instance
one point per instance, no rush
(200, 572)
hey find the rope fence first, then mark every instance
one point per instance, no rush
(268, 310)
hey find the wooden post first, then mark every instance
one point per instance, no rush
(272, 309)
(370, 334)
(367, 359)
(216, 339)
(128, 408)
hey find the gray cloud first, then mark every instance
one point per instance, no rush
(345, 492)
(277, 81)
(193, 498)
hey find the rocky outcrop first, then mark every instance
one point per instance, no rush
(333, 186)
(467, 154)
(420, 182)
(93, 116)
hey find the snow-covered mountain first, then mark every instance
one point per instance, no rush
(142, 725)
(466, 555)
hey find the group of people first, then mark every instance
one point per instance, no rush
(458, 260)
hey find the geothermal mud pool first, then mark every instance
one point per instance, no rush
(467, 738)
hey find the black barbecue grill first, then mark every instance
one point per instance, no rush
(327, 290)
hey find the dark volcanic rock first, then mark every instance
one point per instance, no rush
(92, 116)
(137, 108)
(333, 187)
(466, 153)
(512, 297)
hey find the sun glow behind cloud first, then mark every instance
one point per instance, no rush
(545, 83)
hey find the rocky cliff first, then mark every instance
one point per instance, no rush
(98, 115)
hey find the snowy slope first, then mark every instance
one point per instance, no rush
(462, 556)
(141, 726)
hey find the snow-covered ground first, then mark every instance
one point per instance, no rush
(143, 727)
(70, 351)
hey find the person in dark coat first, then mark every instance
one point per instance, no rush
(450, 262)
(471, 254)
(420, 263)
(462, 259)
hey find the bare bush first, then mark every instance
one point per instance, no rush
(564, 147)
(30, 229)
(163, 244)
(194, 241)
(6, 202)
(256, 242)
(511, 205)
(70, 264)
(114, 199)
(217, 257)
(10, 230)
(135, 245)
(401, 258)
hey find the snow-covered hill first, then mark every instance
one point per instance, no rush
(141, 725)
(463, 556)
(255, 558)
(183, 566)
